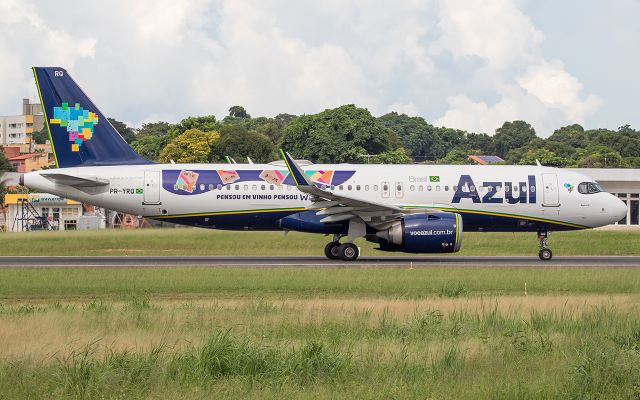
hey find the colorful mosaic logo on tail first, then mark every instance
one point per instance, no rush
(78, 121)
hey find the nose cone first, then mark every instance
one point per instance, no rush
(618, 209)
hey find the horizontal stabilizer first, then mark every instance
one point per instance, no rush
(75, 181)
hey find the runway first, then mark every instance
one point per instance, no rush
(308, 262)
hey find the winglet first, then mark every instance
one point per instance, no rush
(294, 169)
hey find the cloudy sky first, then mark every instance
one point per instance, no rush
(469, 64)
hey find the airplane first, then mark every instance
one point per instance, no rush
(402, 208)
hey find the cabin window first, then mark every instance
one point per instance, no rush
(375, 188)
(202, 187)
(358, 187)
(340, 187)
(219, 186)
(237, 187)
(254, 187)
(245, 187)
(533, 189)
(211, 186)
(455, 188)
(437, 188)
(228, 187)
(420, 188)
(446, 188)
(472, 188)
(507, 188)
(524, 189)
(366, 188)
(412, 188)
(515, 188)
(349, 188)
(398, 188)
(429, 188)
(263, 187)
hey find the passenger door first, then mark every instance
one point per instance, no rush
(151, 187)
(550, 192)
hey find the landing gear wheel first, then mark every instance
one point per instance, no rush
(348, 252)
(331, 250)
(545, 254)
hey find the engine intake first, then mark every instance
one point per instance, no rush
(439, 232)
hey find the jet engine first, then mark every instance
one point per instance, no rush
(438, 232)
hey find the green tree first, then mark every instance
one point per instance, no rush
(456, 156)
(546, 158)
(159, 128)
(598, 156)
(5, 166)
(452, 138)
(512, 135)
(192, 146)
(420, 138)
(242, 143)
(397, 156)
(41, 136)
(150, 146)
(481, 142)
(127, 133)
(337, 135)
(238, 112)
(207, 123)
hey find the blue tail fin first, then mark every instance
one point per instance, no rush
(80, 134)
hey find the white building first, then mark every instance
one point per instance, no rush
(624, 183)
(17, 129)
(38, 211)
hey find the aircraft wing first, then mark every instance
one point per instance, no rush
(338, 207)
(75, 181)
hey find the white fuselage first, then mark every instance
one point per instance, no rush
(524, 194)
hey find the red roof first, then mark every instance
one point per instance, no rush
(26, 156)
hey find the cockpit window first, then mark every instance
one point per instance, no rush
(589, 188)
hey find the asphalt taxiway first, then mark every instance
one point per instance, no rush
(293, 261)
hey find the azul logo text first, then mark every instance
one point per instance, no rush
(497, 192)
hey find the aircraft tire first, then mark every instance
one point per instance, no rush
(545, 254)
(349, 252)
(331, 250)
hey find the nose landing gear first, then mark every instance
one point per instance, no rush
(545, 253)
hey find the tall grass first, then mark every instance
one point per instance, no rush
(478, 350)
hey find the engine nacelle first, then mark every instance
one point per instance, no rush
(438, 232)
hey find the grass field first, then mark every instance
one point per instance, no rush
(193, 241)
(261, 333)
(462, 333)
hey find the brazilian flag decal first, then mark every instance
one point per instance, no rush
(434, 179)
(139, 191)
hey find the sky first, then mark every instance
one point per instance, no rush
(467, 64)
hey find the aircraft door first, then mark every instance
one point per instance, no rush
(385, 190)
(399, 190)
(151, 187)
(550, 194)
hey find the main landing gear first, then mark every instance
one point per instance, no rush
(545, 253)
(334, 250)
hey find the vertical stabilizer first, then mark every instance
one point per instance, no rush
(80, 134)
